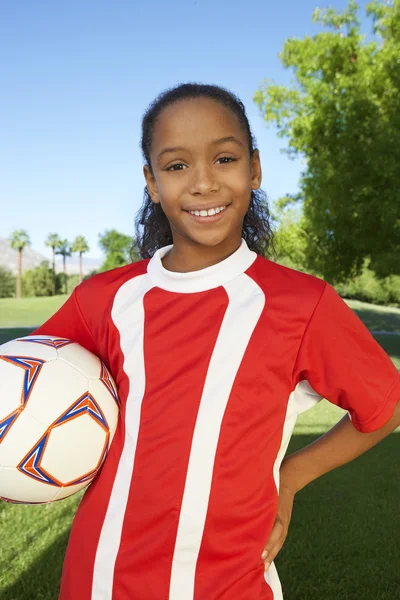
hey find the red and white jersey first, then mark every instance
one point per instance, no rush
(212, 368)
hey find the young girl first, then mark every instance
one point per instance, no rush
(215, 350)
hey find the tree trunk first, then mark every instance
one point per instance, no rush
(54, 271)
(65, 274)
(19, 275)
(80, 267)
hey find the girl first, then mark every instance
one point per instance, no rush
(215, 349)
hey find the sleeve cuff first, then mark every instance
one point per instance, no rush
(386, 412)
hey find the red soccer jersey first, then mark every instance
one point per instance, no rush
(213, 368)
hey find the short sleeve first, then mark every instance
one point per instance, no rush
(69, 322)
(342, 362)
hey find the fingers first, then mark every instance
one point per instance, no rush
(275, 542)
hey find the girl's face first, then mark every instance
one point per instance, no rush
(203, 172)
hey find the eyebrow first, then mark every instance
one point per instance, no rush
(229, 138)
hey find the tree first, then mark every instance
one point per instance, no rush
(64, 249)
(7, 283)
(120, 249)
(291, 234)
(53, 241)
(343, 115)
(81, 246)
(40, 281)
(19, 239)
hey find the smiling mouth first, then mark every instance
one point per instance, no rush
(205, 218)
(203, 212)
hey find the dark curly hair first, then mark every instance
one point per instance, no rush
(156, 232)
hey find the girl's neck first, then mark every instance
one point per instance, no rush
(186, 258)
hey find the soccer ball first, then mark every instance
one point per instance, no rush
(58, 414)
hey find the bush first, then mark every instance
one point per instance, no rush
(367, 288)
(7, 283)
(39, 281)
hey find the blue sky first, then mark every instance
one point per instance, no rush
(77, 77)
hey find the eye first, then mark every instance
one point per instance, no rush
(171, 168)
(227, 158)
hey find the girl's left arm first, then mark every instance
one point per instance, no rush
(338, 446)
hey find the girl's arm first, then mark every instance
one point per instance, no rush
(339, 445)
(341, 361)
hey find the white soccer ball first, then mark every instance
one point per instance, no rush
(58, 414)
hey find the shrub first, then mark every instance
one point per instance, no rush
(7, 283)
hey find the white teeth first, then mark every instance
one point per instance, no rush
(207, 213)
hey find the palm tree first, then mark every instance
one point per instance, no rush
(53, 241)
(64, 248)
(19, 239)
(80, 245)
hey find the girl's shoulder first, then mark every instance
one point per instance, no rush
(285, 282)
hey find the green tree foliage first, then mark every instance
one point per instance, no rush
(7, 283)
(120, 249)
(290, 234)
(19, 239)
(53, 241)
(39, 281)
(81, 246)
(342, 114)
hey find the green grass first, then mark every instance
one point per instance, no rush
(28, 312)
(34, 539)
(343, 540)
(376, 318)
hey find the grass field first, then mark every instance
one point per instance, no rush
(377, 318)
(28, 312)
(343, 541)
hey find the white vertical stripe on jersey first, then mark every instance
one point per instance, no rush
(246, 302)
(128, 317)
(271, 576)
(302, 398)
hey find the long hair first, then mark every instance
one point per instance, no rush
(151, 224)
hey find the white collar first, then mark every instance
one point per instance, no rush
(204, 279)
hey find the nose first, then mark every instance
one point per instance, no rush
(203, 180)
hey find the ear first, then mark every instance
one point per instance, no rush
(256, 173)
(151, 184)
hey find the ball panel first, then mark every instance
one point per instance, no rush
(17, 486)
(65, 492)
(19, 441)
(58, 386)
(83, 455)
(81, 359)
